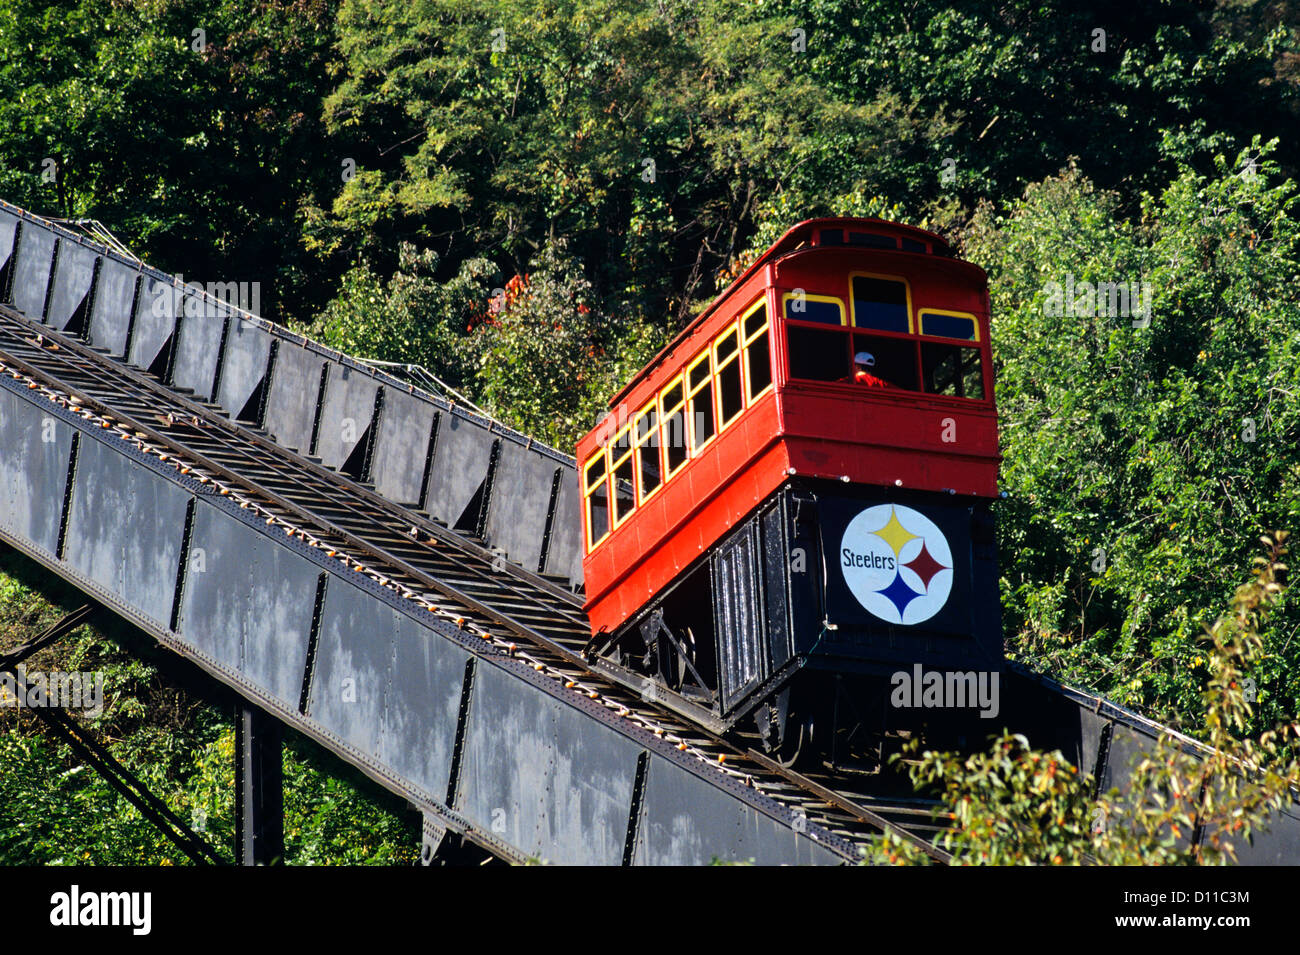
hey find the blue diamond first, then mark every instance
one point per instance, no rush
(899, 593)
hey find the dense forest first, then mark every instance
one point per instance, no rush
(529, 198)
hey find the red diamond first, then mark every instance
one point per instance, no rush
(924, 566)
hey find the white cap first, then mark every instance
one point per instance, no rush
(865, 358)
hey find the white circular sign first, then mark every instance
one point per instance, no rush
(897, 563)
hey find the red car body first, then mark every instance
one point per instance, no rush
(934, 429)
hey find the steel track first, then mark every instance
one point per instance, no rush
(523, 614)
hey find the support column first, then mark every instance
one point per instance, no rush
(435, 836)
(259, 788)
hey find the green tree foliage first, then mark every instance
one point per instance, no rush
(495, 126)
(1021, 86)
(616, 127)
(548, 360)
(410, 317)
(1016, 806)
(1142, 462)
(194, 148)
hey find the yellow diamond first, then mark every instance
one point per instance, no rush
(894, 534)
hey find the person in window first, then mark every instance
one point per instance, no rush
(863, 361)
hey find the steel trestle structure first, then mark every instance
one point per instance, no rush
(388, 574)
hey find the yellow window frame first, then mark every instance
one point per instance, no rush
(692, 448)
(829, 299)
(614, 465)
(665, 413)
(747, 340)
(907, 288)
(589, 488)
(943, 311)
(733, 329)
(641, 495)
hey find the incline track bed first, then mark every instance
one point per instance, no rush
(521, 614)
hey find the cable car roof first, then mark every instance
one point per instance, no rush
(806, 234)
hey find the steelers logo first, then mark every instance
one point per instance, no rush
(897, 563)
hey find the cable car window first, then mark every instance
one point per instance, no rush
(621, 444)
(952, 370)
(759, 355)
(647, 451)
(911, 245)
(895, 359)
(731, 398)
(949, 325)
(596, 469)
(698, 373)
(758, 351)
(817, 354)
(671, 396)
(731, 394)
(832, 237)
(674, 430)
(701, 403)
(872, 241)
(880, 304)
(809, 308)
(725, 347)
(621, 452)
(597, 500)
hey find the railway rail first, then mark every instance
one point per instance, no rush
(524, 615)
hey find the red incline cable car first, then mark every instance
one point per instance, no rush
(846, 371)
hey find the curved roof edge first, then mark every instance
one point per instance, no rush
(790, 240)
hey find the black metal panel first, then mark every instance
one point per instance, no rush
(742, 643)
(397, 467)
(387, 685)
(1127, 747)
(8, 231)
(73, 277)
(198, 345)
(32, 270)
(687, 821)
(805, 571)
(281, 591)
(248, 602)
(1051, 720)
(543, 777)
(248, 348)
(34, 448)
(1277, 844)
(291, 405)
(214, 605)
(419, 722)
(776, 564)
(460, 465)
(516, 518)
(155, 320)
(942, 619)
(354, 659)
(349, 405)
(564, 555)
(125, 528)
(110, 316)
